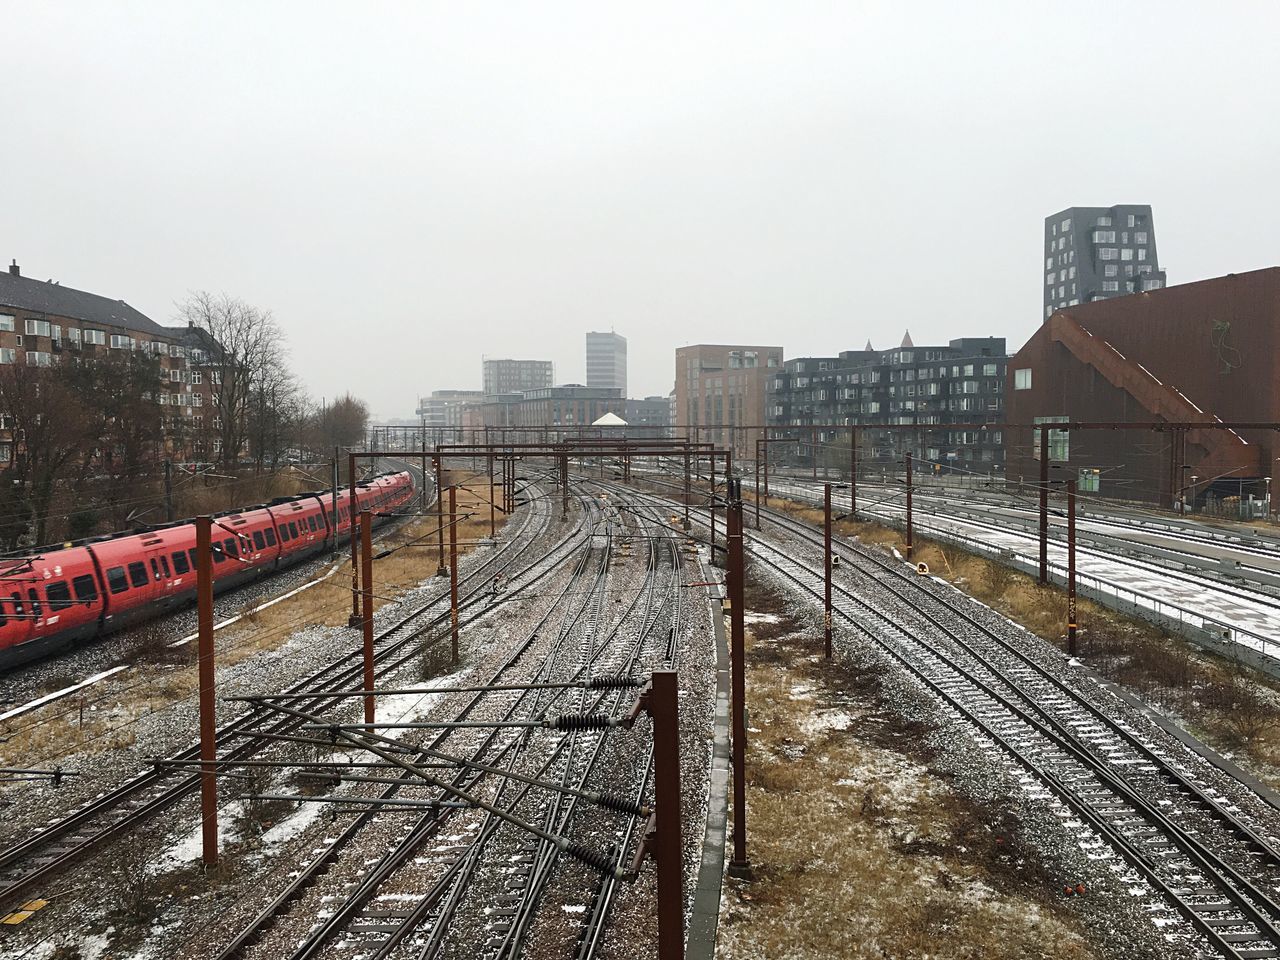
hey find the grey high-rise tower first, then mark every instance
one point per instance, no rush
(607, 361)
(1094, 253)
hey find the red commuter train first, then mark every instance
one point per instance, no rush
(92, 587)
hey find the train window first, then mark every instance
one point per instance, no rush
(218, 555)
(17, 604)
(284, 533)
(293, 529)
(155, 569)
(58, 595)
(259, 542)
(164, 565)
(86, 588)
(180, 564)
(138, 574)
(312, 523)
(3, 618)
(192, 557)
(271, 536)
(35, 603)
(230, 548)
(116, 580)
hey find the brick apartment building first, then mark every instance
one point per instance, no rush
(720, 385)
(44, 324)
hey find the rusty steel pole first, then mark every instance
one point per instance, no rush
(354, 619)
(826, 540)
(1044, 504)
(440, 568)
(737, 647)
(1071, 566)
(910, 530)
(711, 503)
(366, 619)
(687, 489)
(208, 724)
(423, 499)
(564, 481)
(664, 708)
(757, 483)
(766, 466)
(453, 567)
(853, 472)
(813, 450)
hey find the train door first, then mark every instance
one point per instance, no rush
(161, 585)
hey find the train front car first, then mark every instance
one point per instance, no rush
(47, 601)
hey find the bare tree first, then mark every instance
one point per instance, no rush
(54, 435)
(242, 344)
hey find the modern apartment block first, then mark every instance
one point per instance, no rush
(723, 385)
(651, 413)
(959, 383)
(517, 376)
(607, 361)
(44, 324)
(1095, 253)
(444, 407)
(572, 406)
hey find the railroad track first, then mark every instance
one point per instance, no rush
(1214, 868)
(587, 644)
(71, 838)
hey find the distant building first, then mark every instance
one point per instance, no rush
(652, 415)
(962, 382)
(572, 406)
(607, 361)
(444, 407)
(1095, 253)
(719, 385)
(516, 376)
(1191, 353)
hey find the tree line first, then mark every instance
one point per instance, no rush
(89, 437)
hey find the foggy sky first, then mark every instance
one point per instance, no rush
(410, 186)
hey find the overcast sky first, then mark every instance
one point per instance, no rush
(410, 186)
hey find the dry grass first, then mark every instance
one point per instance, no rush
(860, 850)
(1232, 707)
(153, 687)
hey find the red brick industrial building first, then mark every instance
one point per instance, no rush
(1197, 352)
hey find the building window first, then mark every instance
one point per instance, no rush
(1104, 222)
(1104, 236)
(95, 336)
(215, 377)
(8, 355)
(1071, 274)
(1066, 225)
(120, 342)
(1059, 440)
(39, 358)
(1151, 284)
(1108, 253)
(1051, 279)
(1110, 286)
(1126, 254)
(1142, 253)
(1048, 262)
(37, 328)
(1022, 379)
(6, 322)
(1110, 270)
(1140, 237)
